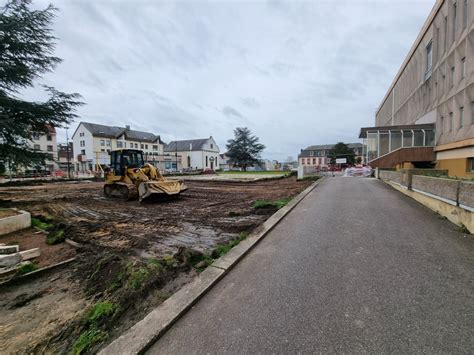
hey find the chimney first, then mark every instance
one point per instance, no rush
(127, 127)
(190, 146)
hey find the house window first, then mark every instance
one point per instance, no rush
(136, 145)
(36, 136)
(141, 145)
(450, 121)
(107, 143)
(49, 148)
(206, 161)
(102, 143)
(119, 144)
(445, 33)
(146, 146)
(455, 7)
(429, 59)
(464, 15)
(470, 166)
(83, 151)
(463, 67)
(461, 117)
(155, 147)
(212, 146)
(37, 147)
(81, 134)
(102, 150)
(314, 161)
(472, 112)
(49, 138)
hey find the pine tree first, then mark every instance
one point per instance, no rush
(244, 150)
(342, 150)
(26, 52)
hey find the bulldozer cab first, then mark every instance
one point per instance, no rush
(120, 160)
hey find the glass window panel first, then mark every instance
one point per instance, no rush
(418, 138)
(407, 138)
(396, 140)
(372, 146)
(429, 138)
(383, 145)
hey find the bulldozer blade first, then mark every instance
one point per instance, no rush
(157, 188)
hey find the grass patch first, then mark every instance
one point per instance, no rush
(138, 276)
(26, 268)
(97, 314)
(43, 225)
(225, 248)
(271, 204)
(55, 237)
(99, 311)
(87, 339)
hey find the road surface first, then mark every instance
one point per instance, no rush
(356, 267)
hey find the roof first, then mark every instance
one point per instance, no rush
(330, 146)
(99, 130)
(185, 145)
(364, 130)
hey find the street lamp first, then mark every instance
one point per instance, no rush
(67, 155)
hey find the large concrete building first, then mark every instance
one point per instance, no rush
(426, 118)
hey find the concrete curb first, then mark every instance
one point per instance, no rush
(143, 334)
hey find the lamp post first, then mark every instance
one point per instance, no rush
(67, 155)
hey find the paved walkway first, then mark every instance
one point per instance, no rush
(355, 267)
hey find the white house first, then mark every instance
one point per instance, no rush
(92, 143)
(224, 162)
(196, 153)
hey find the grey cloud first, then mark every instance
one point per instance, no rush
(231, 112)
(250, 102)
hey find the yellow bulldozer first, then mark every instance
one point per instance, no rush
(129, 177)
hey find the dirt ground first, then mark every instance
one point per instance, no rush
(31, 238)
(118, 238)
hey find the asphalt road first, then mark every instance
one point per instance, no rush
(356, 267)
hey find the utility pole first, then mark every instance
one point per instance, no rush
(176, 155)
(67, 156)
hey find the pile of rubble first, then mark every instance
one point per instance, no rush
(12, 260)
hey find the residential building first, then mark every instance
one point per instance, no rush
(196, 153)
(319, 155)
(46, 143)
(65, 156)
(224, 162)
(93, 142)
(426, 118)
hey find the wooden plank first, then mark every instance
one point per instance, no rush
(30, 253)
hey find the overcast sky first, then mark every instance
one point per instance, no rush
(295, 73)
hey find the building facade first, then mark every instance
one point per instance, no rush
(195, 153)
(319, 155)
(93, 142)
(426, 118)
(46, 143)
